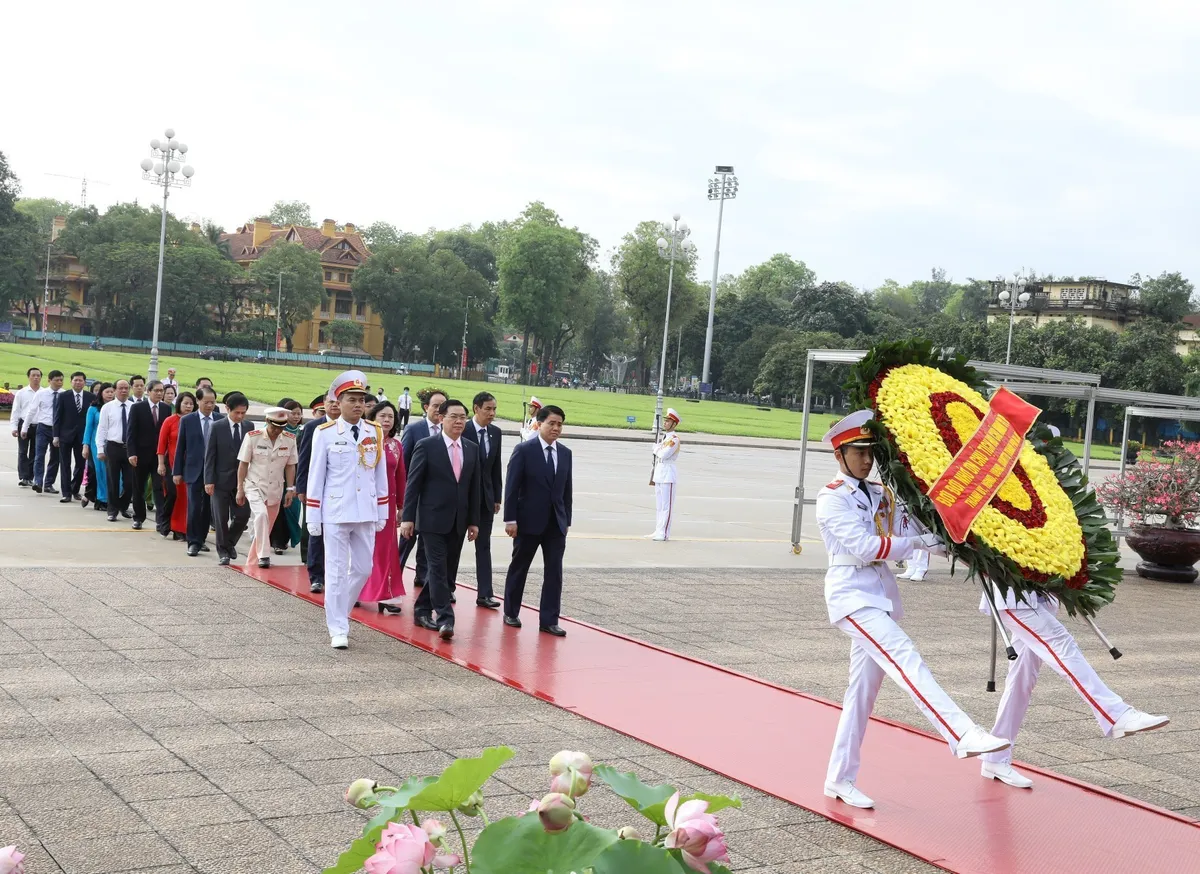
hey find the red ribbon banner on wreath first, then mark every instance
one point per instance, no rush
(980, 467)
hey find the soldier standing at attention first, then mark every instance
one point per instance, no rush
(529, 430)
(665, 476)
(347, 500)
(862, 533)
(266, 461)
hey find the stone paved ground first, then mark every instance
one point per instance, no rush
(772, 624)
(173, 720)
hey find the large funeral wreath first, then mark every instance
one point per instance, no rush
(1044, 531)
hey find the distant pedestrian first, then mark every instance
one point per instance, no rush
(70, 421)
(665, 476)
(45, 470)
(111, 434)
(24, 407)
(403, 407)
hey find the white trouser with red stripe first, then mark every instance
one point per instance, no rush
(349, 554)
(881, 647)
(1038, 637)
(664, 506)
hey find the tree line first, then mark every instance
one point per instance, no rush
(532, 290)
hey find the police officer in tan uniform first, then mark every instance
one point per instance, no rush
(267, 460)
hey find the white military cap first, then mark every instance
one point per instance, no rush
(674, 416)
(851, 431)
(535, 403)
(276, 415)
(351, 380)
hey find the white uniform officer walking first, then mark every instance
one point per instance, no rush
(529, 429)
(665, 475)
(862, 533)
(346, 500)
(266, 461)
(1039, 637)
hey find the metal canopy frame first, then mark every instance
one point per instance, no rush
(1177, 414)
(1039, 381)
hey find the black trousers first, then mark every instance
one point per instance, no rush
(553, 544)
(147, 472)
(25, 450)
(121, 491)
(90, 491)
(199, 514)
(406, 548)
(402, 420)
(230, 520)
(164, 502)
(71, 466)
(483, 554)
(442, 552)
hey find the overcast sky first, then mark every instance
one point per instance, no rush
(871, 140)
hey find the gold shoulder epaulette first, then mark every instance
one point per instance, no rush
(328, 424)
(254, 432)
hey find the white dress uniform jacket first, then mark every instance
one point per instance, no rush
(666, 454)
(340, 488)
(860, 539)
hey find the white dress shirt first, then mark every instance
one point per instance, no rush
(41, 411)
(109, 428)
(23, 405)
(485, 441)
(404, 402)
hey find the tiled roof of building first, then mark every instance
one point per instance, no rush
(242, 248)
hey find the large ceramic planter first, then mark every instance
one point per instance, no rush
(1167, 553)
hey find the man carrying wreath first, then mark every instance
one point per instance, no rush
(862, 533)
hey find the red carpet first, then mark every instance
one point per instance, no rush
(777, 740)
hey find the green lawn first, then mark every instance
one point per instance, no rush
(268, 383)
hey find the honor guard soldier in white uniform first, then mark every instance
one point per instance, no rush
(267, 461)
(1038, 637)
(665, 475)
(529, 430)
(347, 500)
(862, 532)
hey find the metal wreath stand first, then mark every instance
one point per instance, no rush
(1035, 381)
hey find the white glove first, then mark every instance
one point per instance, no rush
(380, 525)
(314, 529)
(931, 543)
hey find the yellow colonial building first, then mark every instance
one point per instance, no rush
(342, 251)
(1097, 303)
(70, 308)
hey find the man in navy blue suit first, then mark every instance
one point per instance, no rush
(428, 425)
(70, 417)
(195, 429)
(537, 513)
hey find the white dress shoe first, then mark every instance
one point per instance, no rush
(847, 792)
(904, 575)
(976, 742)
(1133, 721)
(917, 577)
(1005, 774)
(657, 538)
(339, 641)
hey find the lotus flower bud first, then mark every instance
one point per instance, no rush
(435, 830)
(571, 783)
(565, 760)
(557, 812)
(361, 793)
(629, 833)
(472, 805)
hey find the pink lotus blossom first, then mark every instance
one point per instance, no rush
(557, 812)
(12, 861)
(695, 832)
(405, 849)
(571, 773)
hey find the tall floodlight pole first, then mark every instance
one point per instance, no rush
(46, 290)
(1014, 291)
(678, 246)
(720, 190)
(466, 314)
(164, 167)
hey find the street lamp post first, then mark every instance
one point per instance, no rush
(279, 315)
(46, 290)
(678, 245)
(720, 190)
(466, 314)
(164, 167)
(1013, 292)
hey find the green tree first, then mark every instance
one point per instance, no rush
(19, 243)
(781, 373)
(780, 277)
(344, 334)
(291, 212)
(744, 364)
(379, 234)
(834, 307)
(970, 302)
(43, 210)
(1167, 297)
(302, 290)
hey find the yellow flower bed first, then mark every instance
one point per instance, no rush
(905, 401)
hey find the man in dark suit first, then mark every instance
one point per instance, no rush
(312, 549)
(442, 500)
(482, 432)
(195, 430)
(70, 417)
(145, 421)
(537, 512)
(220, 476)
(427, 426)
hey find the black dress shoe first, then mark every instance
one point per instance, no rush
(512, 622)
(204, 547)
(75, 496)
(233, 553)
(418, 583)
(556, 630)
(193, 551)
(24, 483)
(50, 490)
(112, 517)
(224, 562)
(137, 526)
(425, 622)
(490, 603)
(176, 536)
(278, 551)
(36, 488)
(264, 562)
(393, 609)
(446, 632)
(66, 500)
(126, 514)
(85, 502)
(453, 600)
(316, 588)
